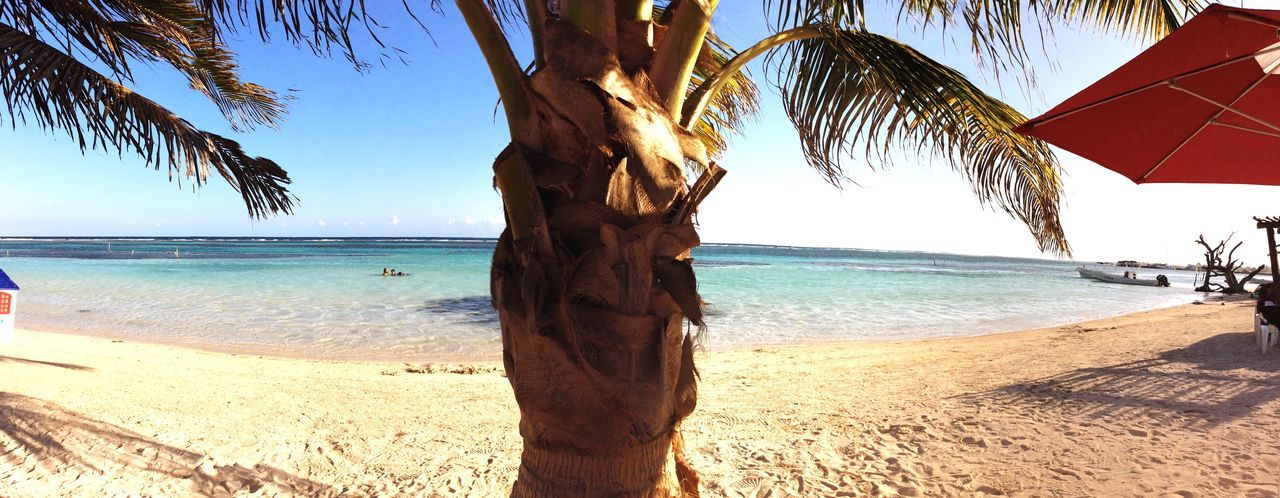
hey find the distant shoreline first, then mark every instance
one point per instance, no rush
(494, 240)
(490, 240)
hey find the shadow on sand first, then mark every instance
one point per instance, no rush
(24, 361)
(1218, 379)
(45, 448)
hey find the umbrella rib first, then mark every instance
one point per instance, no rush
(1246, 16)
(1146, 87)
(1246, 128)
(1222, 109)
(1227, 107)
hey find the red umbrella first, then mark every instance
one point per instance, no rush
(1200, 106)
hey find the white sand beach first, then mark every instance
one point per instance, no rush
(1172, 402)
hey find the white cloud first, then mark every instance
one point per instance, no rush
(452, 222)
(346, 223)
(468, 220)
(322, 223)
(395, 220)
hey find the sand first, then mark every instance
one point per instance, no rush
(1173, 402)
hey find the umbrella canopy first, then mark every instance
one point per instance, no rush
(1200, 106)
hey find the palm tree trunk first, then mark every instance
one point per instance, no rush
(592, 278)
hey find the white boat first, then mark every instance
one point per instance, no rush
(1121, 279)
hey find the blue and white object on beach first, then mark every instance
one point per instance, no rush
(8, 306)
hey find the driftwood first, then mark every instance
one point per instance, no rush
(1214, 267)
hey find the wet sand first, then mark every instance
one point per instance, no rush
(1172, 402)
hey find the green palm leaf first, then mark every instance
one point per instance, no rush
(792, 13)
(116, 32)
(737, 102)
(322, 25)
(996, 29)
(849, 90)
(44, 85)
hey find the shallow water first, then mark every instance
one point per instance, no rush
(325, 298)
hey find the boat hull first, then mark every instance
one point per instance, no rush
(1115, 279)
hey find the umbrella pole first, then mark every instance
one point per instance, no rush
(1275, 272)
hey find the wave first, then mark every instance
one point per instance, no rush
(724, 263)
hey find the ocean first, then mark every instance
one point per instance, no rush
(326, 298)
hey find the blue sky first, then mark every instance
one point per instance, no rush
(406, 151)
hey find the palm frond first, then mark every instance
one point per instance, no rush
(208, 64)
(1148, 20)
(115, 32)
(322, 25)
(997, 28)
(508, 13)
(43, 85)
(737, 102)
(852, 91)
(792, 13)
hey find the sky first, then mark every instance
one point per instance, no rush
(407, 149)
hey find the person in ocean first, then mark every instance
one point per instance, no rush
(385, 273)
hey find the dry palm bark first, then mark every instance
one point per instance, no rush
(593, 297)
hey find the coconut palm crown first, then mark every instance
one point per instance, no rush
(853, 92)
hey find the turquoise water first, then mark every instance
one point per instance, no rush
(326, 298)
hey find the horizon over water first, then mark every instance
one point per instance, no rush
(325, 297)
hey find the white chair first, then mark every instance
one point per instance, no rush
(1266, 334)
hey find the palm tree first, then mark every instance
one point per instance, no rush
(615, 128)
(592, 278)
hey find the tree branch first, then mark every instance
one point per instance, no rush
(1231, 256)
(525, 214)
(593, 16)
(635, 10)
(678, 53)
(507, 75)
(698, 100)
(535, 12)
